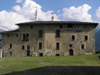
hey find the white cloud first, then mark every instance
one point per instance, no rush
(8, 19)
(19, 1)
(79, 13)
(98, 12)
(58, 11)
(28, 10)
(23, 13)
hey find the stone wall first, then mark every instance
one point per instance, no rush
(49, 40)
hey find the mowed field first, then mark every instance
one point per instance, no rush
(53, 65)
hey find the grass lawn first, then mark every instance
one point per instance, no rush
(62, 65)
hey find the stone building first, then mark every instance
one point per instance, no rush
(49, 38)
(0, 47)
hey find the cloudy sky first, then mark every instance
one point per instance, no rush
(16, 11)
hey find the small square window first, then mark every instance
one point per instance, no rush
(31, 27)
(73, 37)
(17, 35)
(7, 35)
(61, 26)
(86, 38)
(70, 45)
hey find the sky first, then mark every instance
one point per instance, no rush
(17, 11)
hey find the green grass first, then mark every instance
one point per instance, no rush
(21, 65)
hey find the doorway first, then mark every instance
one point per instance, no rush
(28, 52)
(71, 52)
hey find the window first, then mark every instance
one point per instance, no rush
(40, 54)
(82, 46)
(26, 37)
(57, 46)
(57, 33)
(10, 45)
(31, 27)
(70, 45)
(7, 35)
(57, 54)
(40, 33)
(10, 53)
(86, 38)
(61, 26)
(16, 35)
(23, 47)
(69, 25)
(28, 47)
(40, 45)
(73, 37)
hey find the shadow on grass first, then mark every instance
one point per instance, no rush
(61, 70)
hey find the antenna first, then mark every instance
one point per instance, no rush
(36, 14)
(52, 17)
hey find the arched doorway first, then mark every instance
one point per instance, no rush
(71, 52)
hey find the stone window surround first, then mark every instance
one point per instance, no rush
(84, 46)
(71, 37)
(87, 36)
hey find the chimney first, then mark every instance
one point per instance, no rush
(52, 18)
(36, 15)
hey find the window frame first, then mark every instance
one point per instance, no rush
(40, 46)
(57, 46)
(40, 33)
(24, 38)
(74, 37)
(23, 47)
(87, 37)
(10, 46)
(83, 45)
(58, 33)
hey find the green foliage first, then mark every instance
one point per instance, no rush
(9, 65)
